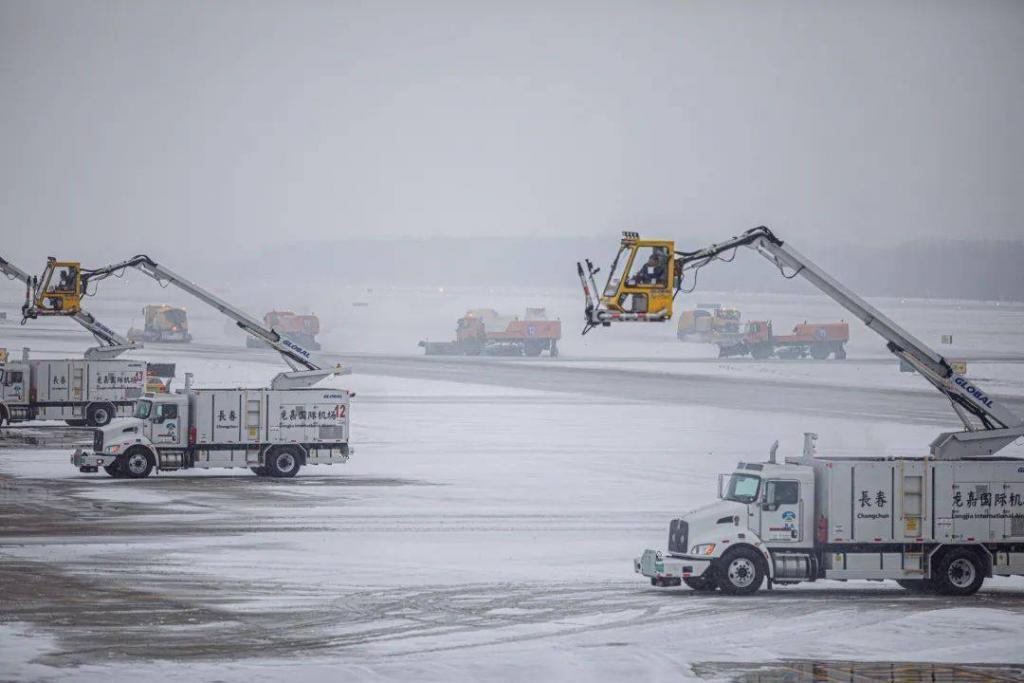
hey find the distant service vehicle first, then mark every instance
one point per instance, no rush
(816, 340)
(301, 328)
(709, 324)
(482, 331)
(163, 323)
(78, 391)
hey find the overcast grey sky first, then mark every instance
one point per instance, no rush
(153, 125)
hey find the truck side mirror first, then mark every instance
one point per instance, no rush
(769, 503)
(721, 481)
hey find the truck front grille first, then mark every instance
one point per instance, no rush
(97, 440)
(677, 532)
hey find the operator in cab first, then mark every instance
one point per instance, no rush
(653, 271)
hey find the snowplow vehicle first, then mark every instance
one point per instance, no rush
(301, 328)
(163, 323)
(814, 340)
(940, 523)
(710, 324)
(482, 331)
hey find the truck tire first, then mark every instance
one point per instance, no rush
(259, 471)
(283, 463)
(137, 463)
(916, 585)
(114, 469)
(533, 348)
(960, 572)
(99, 415)
(820, 351)
(701, 584)
(740, 571)
(761, 351)
(839, 352)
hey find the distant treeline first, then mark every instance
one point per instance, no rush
(945, 269)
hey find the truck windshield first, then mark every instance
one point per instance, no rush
(743, 488)
(142, 409)
(616, 271)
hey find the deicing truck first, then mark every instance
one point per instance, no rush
(273, 432)
(78, 391)
(929, 524)
(942, 522)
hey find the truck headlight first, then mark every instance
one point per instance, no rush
(114, 449)
(703, 549)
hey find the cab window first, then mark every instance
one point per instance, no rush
(143, 409)
(616, 271)
(167, 411)
(785, 492)
(650, 267)
(13, 377)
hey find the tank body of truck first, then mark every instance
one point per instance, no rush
(935, 525)
(300, 328)
(271, 431)
(78, 391)
(482, 331)
(816, 340)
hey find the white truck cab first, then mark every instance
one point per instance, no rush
(761, 507)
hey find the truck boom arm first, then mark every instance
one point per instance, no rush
(111, 344)
(989, 425)
(305, 368)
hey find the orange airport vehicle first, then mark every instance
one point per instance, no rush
(482, 331)
(817, 340)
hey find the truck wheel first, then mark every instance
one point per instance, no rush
(916, 585)
(553, 352)
(99, 415)
(961, 572)
(137, 463)
(533, 349)
(840, 352)
(283, 463)
(740, 572)
(259, 471)
(761, 351)
(820, 351)
(114, 469)
(701, 584)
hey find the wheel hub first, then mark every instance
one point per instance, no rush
(285, 462)
(961, 573)
(137, 464)
(741, 572)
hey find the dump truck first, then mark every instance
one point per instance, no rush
(78, 391)
(931, 525)
(814, 340)
(482, 331)
(301, 328)
(163, 323)
(709, 324)
(941, 522)
(273, 432)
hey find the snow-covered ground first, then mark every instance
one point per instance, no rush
(480, 531)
